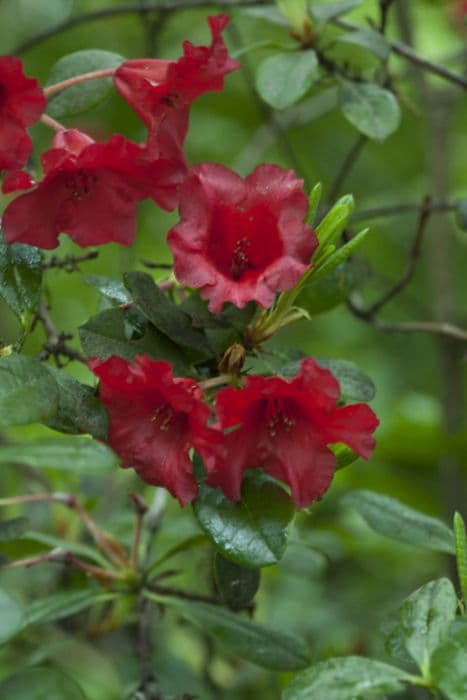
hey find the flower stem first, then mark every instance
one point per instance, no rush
(215, 381)
(52, 123)
(76, 79)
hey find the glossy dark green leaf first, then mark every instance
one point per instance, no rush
(328, 292)
(20, 276)
(373, 110)
(12, 529)
(346, 678)
(369, 39)
(168, 318)
(257, 643)
(112, 332)
(28, 392)
(252, 532)
(79, 98)
(355, 385)
(273, 77)
(11, 617)
(449, 663)
(425, 618)
(76, 454)
(41, 684)
(110, 288)
(390, 517)
(330, 10)
(237, 585)
(79, 409)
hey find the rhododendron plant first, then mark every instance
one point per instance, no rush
(241, 240)
(284, 427)
(22, 102)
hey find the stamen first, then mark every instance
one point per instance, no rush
(240, 261)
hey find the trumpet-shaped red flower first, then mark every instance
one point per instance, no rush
(89, 191)
(154, 420)
(241, 240)
(21, 104)
(161, 91)
(284, 427)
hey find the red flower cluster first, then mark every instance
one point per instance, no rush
(161, 91)
(21, 104)
(274, 424)
(241, 240)
(90, 189)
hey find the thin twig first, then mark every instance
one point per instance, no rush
(83, 78)
(141, 509)
(56, 344)
(397, 209)
(126, 9)
(70, 263)
(52, 123)
(414, 254)
(445, 329)
(63, 556)
(346, 167)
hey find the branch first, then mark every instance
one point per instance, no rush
(56, 344)
(396, 209)
(346, 167)
(70, 263)
(406, 52)
(126, 9)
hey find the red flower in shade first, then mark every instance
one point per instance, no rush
(241, 240)
(161, 91)
(283, 427)
(21, 104)
(89, 191)
(154, 420)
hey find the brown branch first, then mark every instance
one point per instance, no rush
(70, 263)
(397, 209)
(414, 254)
(346, 167)
(56, 345)
(406, 52)
(126, 9)
(438, 328)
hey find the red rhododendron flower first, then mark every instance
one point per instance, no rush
(21, 104)
(284, 427)
(241, 240)
(154, 420)
(89, 191)
(161, 91)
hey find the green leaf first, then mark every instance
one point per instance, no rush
(295, 11)
(28, 392)
(252, 532)
(314, 200)
(331, 10)
(373, 110)
(75, 454)
(261, 645)
(328, 292)
(236, 584)
(268, 12)
(111, 332)
(60, 605)
(41, 684)
(164, 314)
(392, 518)
(368, 39)
(13, 529)
(344, 455)
(334, 259)
(11, 617)
(355, 385)
(84, 96)
(461, 553)
(346, 678)
(79, 409)
(184, 546)
(273, 78)
(82, 550)
(335, 221)
(424, 620)
(110, 288)
(461, 214)
(20, 277)
(449, 663)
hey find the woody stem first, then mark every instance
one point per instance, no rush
(76, 79)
